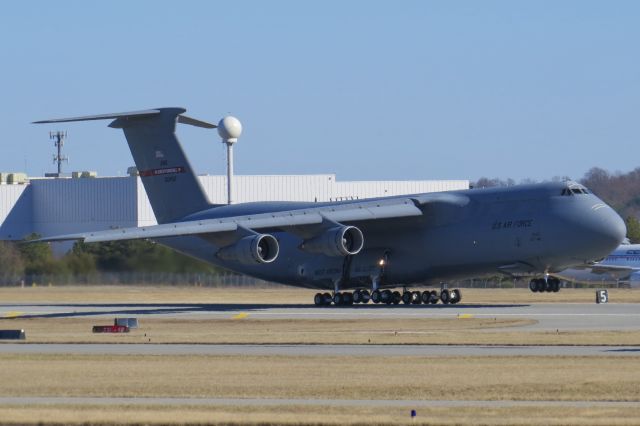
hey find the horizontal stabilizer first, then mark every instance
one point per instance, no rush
(183, 119)
(145, 113)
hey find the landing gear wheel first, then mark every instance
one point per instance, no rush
(327, 298)
(542, 285)
(385, 297)
(426, 297)
(396, 297)
(376, 296)
(445, 296)
(365, 296)
(456, 296)
(434, 297)
(318, 299)
(338, 299)
(556, 285)
(406, 297)
(416, 298)
(533, 285)
(357, 296)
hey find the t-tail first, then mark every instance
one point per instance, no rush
(173, 188)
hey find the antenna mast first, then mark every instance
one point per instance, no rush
(58, 140)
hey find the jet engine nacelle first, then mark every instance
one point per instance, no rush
(338, 241)
(261, 248)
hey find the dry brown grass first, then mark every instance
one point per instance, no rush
(314, 415)
(285, 295)
(330, 377)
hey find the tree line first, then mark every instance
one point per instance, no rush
(25, 258)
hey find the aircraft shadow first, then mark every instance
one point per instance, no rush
(132, 309)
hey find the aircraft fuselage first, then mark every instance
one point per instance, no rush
(531, 229)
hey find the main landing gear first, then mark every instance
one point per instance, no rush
(389, 297)
(541, 285)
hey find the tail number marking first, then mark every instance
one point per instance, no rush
(162, 172)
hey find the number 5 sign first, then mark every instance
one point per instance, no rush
(602, 296)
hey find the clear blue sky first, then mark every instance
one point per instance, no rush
(368, 90)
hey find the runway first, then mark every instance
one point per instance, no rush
(551, 316)
(30, 401)
(314, 350)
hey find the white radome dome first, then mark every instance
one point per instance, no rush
(229, 129)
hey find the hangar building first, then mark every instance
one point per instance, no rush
(54, 206)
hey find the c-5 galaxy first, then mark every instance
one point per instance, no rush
(369, 246)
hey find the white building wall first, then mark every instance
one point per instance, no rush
(143, 206)
(16, 211)
(77, 205)
(269, 188)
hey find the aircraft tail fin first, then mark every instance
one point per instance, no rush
(171, 184)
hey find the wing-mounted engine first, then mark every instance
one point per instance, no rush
(244, 245)
(341, 240)
(260, 248)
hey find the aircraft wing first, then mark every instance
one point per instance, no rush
(596, 273)
(611, 269)
(347, 212)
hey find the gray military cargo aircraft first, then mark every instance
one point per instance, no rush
(371, 246)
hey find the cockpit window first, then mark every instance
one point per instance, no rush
(574, 190)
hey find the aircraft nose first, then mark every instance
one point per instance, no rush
(617, 229)
(606, 227)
